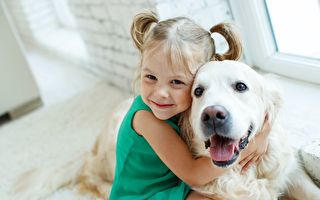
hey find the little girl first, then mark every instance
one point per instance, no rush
(152, 161)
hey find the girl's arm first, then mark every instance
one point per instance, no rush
(174, 152)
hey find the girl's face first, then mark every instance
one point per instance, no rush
(164, 88)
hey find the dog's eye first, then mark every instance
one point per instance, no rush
(198, 91)
(240, 87)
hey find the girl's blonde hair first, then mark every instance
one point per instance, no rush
(186, 43)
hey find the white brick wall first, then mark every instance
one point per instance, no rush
(206, 13)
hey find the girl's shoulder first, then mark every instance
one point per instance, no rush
(142, 115)
(138, 104)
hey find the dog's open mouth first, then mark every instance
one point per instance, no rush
(225, 151)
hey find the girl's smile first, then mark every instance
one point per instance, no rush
(162, 106)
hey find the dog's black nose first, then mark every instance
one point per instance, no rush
(215, 116)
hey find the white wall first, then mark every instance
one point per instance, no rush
(17, 86)
(32, 17)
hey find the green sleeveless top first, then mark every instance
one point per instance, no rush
(139, 173)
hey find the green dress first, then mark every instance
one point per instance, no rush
(139, 173)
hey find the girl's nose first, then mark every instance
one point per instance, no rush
(162, 91)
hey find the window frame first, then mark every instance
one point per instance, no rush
(260, 46)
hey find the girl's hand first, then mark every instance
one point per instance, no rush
(256, 148)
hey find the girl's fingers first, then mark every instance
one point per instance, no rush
(259, 159)
(249, 163)
(245, 160)
(246, 167)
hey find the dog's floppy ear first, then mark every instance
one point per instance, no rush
(187, 134)
(273, 101)
(185, 127)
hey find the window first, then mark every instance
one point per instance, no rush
(281, 36)
(296, 30)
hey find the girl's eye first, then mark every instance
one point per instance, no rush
(177, 82)
(240, 87)
(151, 77)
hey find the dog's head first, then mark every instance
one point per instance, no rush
(230, 102)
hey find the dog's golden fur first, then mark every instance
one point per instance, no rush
(278, 174)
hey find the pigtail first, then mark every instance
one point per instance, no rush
(140, 27)
(233, 39)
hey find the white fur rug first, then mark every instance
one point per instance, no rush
(53, 135)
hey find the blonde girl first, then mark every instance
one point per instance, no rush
(152, 161)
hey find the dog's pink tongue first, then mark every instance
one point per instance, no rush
(221, 150)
